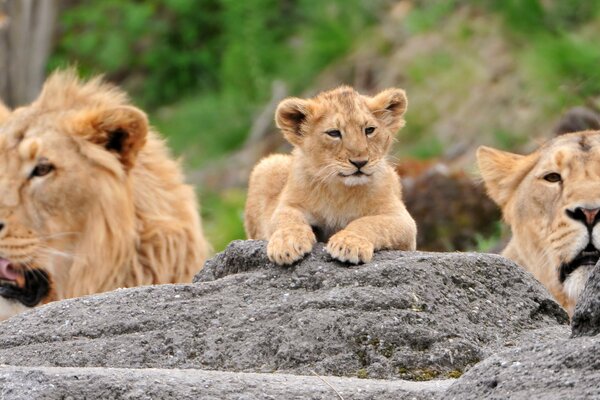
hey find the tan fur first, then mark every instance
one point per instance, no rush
(544, 236)
(4, 112)
(114, 212)
(289, 195)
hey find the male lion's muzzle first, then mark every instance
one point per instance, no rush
(28, 286)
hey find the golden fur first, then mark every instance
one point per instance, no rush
(4, 112)
(313, 190)
(112, 212)
(550, 199)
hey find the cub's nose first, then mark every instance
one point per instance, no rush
(588, 216)
(359, 163)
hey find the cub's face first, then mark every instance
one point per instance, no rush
(551, 199)
(343, 136)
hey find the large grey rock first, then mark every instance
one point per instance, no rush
(411, 316)
(546, 365)
(549, 369)
(26, 383)
(586, 319)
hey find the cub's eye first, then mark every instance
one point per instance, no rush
(42, 169)
(369, 130)
(553, 177)
(334, 133)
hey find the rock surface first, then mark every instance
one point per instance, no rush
(26, 383)
(550, 370)
(546, 365)
(415, 316)
(586, 319)
(249, 329)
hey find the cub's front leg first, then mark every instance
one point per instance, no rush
(292, 237)
(357, 242)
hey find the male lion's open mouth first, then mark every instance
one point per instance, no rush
(588, 257)
(28, 286)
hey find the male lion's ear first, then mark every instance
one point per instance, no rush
(502, 172)
(290, 117)
(4, 112)
(121, 130)
(389, 107)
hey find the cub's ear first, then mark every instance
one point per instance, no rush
(291, 117)
(121, 130)
(389, 107)
(4, 112)
(502, 172)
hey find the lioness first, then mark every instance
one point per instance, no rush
(90, 199)
(336, 186)
(551, 200)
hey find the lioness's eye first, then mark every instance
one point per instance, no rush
(553, 177)
(369, 130)
(334, 133)
(42, 169)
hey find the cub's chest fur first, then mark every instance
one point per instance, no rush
(329, 220)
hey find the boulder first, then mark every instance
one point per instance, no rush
(26, 383)
(586, 318)
(554, 368)
(545, 366)
(406, 315)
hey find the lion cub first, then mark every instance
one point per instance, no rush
(337, 185)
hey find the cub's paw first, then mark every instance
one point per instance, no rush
(289, 245)
(350, 247)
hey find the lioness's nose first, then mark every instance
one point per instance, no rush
(589, 216)
(359, 163)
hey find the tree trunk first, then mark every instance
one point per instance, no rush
(26, 36)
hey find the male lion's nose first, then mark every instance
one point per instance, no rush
(589, 216)
(359, 163)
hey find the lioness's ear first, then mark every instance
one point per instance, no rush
(4, 112)
(121, 130)
(502, 172)
(291, 116)
(389, 107)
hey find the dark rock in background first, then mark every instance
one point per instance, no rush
(451, 210)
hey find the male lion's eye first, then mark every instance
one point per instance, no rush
(42, 169)
(334, 133)
(553, 177)
(369, 130)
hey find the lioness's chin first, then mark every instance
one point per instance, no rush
(575, 282)
(9, 308)
(356, 180)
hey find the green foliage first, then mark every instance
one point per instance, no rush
(486, 244)
(204, 127)
(566, 66)
(223, 218)
(508, 140)
(535, 16)
(162, 50)
(428, 14)
(164, 47)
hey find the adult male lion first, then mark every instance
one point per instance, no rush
(89, 199)
(337, 185)
(551, 200)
